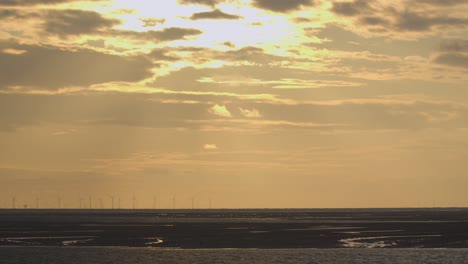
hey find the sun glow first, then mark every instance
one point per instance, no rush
(253, 28)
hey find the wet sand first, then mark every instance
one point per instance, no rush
(282, 228)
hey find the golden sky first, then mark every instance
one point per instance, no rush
(249, 103)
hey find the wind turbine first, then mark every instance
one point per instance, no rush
(13, 200)
(37, 202)
(173, 202)
(119, 201)
(155, 200)
(112, 199)
(90, 202)
(134, 201)
(59, 199)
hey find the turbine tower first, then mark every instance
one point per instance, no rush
(134, 201)
(59, 199)
(37, 202)
(112, 198)
(173, 202)
(13, 200)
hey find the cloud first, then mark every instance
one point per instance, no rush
(350, 8)
(425, 15)
(95, 108)
(373, 21)
(229, 44)
(452, 59)
(210, 147)
(220, 110)
(66, 23)
(14, 51)
(215, 14)
(251, 54)
(282, 5)
(417, 22)
(53, 68)
(8, 13)
(246, 55)
(442, 2)
(201, 2)
(167, 34)
(151, 22)
(250, 79)
(76, 22)
(254, 113)
(161, 54)
(39, 2)
(144, 110)
(454, 45)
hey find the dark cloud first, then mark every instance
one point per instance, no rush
(303, 20)
(416, 22)
(282, 5)
(66, 23)
(443, 2)
(160, 54)
(373, 21)
(342, 39)
(453, 59)
(173, 33)
(167, 34)
(350, 8)
(229, 44)
(454, 45)
(52, 68)
(17, 14)
(215, 14)
(38, 2)
(7, 13)
(391, 18)
(76, 22)
(151, 22)
(201, 2)
(250, 54)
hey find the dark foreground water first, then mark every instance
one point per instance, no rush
(52, 255)
(257, 228)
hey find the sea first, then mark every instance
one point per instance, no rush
(302, 236)
(116, 255)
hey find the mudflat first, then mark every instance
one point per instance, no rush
(243, 228)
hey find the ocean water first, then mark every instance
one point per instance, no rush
(109, 255)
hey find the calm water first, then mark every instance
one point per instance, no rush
(52, 255)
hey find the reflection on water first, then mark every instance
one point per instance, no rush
(378, 241)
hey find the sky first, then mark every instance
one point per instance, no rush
(244, 103)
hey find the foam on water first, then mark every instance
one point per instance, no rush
(376, 242)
